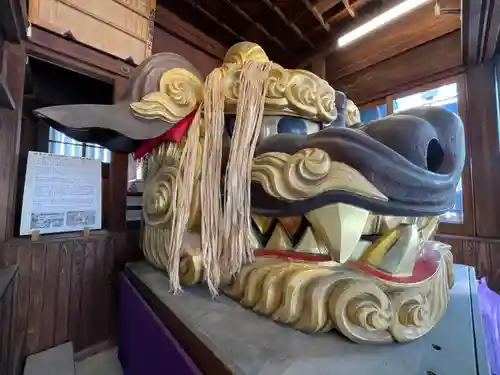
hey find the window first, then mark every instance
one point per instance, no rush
(374, 112)
(445, 96)
(135, 188)
(60, 144)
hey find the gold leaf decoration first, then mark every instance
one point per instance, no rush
(308, 173)
(180, 93)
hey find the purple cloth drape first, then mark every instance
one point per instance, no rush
(489, 304)
(145, 346)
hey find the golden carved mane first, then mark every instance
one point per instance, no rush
(289, 92)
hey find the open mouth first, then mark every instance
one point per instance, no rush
(343, 233)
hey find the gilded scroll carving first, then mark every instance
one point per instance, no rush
(364, 308)
(306, 174)
(180, 93)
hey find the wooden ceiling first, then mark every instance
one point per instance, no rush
(286, 29)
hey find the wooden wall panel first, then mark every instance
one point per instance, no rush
(174, 25)
(406, 33)
(482, 254)
(9, 359)
(411, 68)
(67, 287)
(483, 121)
(10, 129)
(165, 42)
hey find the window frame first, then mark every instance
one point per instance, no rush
(466, 227)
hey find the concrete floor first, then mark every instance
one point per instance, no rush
(104, 363)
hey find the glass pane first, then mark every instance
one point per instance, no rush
(373, 113)
(61, 144)
(445, 96)
(57, 136)
(67, 149)
(97, 152)
(456, 215)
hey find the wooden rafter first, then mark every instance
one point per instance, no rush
(259, 26)
(194, 4)
(350, 10)
(316, 14)
(292, 25)
(322, 6)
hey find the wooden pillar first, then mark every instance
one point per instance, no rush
(117, 190)
(482, 121)
(14, 58)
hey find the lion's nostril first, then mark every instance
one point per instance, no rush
(435, 155)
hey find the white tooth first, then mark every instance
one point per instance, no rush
(400, 259)
(339, 226)
(388, 223)
(308, 244)
(429, 227)
(279, 239)
(255, 240)
(359, 250)
(372, 224)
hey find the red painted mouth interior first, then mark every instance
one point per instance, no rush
(425, 266)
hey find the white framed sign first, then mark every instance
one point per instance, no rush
(61, 194)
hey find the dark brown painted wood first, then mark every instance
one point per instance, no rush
(8, 361)
(318, 67)
(117, 189)
(72, 55)
(419, 27)
(412, 68)
(66, 288)
(480, 30)
(169, 22)
(484, 143)
(13, 20)
(10, 125)
(482, 254)
(165, 42)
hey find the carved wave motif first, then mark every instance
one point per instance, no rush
(180, 93)
(306, 174)
(363, 308)
(289, 92)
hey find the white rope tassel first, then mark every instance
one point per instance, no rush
(211, 178)
(181, 200)
(249, 112)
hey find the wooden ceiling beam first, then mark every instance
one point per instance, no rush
(183, 30)
(290, 24)
(480, 30)
(258, 25)
(348, 11)
(324, 5)
(330, 43)
(238, 23)
(209, 15)
(402, 35)
(316, 15)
